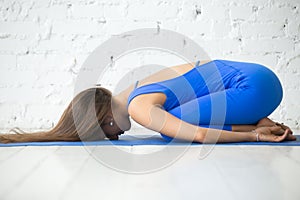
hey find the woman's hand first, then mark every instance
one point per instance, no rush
(274, 134)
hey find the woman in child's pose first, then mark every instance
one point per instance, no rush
(207, 102)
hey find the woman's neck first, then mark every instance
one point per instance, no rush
(120, 112)
(120, 102)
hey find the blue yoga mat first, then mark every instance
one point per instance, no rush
(130, 140)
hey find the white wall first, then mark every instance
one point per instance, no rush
(43, 44)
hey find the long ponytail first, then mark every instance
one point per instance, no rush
(80, 121)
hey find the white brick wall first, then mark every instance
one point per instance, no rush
(43, 44)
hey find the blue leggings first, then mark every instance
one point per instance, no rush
(247, 93)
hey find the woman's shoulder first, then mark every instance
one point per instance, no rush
(141, 102)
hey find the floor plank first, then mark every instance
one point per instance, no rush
(8, 153)
(18, 167)
(53, 174)
(225, 172)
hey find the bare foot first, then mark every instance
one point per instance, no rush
(265, 122)
(268, 122)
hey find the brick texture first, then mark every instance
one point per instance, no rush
(43, 44)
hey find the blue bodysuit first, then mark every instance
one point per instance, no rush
(219, 94)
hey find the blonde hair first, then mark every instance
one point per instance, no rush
(80, 121)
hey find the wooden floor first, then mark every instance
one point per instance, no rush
(227, 172)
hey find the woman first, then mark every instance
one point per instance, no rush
(207, 102)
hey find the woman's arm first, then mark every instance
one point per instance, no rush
(153, 117)
(150, 115)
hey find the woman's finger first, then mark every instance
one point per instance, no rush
(291, 137)
(290, 131)
(282, 137)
